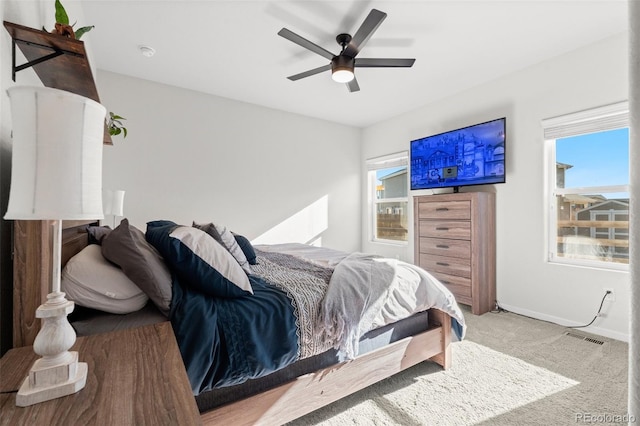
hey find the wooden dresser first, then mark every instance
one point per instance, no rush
(455, 240)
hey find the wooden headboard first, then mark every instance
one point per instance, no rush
(32, 264)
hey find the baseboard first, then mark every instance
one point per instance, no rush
(566, 322)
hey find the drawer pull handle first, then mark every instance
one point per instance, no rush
(442, 209)
(442, 264)
(442, 246)
(442, 229)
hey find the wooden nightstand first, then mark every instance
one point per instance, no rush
(136, 376)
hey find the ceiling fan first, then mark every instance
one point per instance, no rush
(342, 65)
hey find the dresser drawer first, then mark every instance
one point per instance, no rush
(454, 239)
(446, 247)
(459, 286)
(458, 229)
(446, 265)
(445, 210)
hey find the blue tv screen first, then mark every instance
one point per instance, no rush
(473, 155)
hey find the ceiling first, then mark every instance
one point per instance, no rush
(231, 48)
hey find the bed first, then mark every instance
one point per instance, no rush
(296, 378)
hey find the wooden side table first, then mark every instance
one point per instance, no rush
(136, 376)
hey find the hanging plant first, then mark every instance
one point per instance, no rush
(62, 26)
(115, 126)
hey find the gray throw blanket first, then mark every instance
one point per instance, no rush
(357, 291)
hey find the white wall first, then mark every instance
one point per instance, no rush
(589, 77)
(270, 175)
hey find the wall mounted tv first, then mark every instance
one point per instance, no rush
(473, 155)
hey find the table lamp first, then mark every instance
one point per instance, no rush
(113, 204)
(56, 174)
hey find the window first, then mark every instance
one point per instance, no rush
(388, 183)
(589, 187)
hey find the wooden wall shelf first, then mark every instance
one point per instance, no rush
(60, 62)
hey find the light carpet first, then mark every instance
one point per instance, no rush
(510, 370)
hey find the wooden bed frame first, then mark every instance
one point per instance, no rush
(32, 277)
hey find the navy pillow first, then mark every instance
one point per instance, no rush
(198, 260)
(246, 248)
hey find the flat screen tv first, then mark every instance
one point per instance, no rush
(473, 155)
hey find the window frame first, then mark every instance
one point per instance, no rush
(609, 117)
(398, 159)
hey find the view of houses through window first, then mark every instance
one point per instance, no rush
(592, 197)
(388, 186)
(391, 204)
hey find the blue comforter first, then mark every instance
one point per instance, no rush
(224, 342)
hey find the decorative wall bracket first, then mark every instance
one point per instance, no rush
(60, 62)
(15, 69)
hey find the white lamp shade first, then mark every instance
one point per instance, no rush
(56, 165)
(113, 202)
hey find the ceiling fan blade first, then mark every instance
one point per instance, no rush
(353, 85)
(301, 41)
(310, 72)
(366, 30)
(383, 62)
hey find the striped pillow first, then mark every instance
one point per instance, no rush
(198, 260)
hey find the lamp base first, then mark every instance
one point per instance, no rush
(58, 373)
(54, 381)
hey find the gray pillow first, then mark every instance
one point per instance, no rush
(210, 229)
(228, 241)
(127, 247)
(97, 233)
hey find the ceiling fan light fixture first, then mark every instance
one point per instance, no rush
(342, 76)
(342, 65)
(342, 69)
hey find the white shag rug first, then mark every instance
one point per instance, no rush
(498, 383)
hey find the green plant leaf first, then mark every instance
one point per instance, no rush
(81, 31)
(115, 125)
(61, 14)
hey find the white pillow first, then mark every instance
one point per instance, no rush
(92, 281)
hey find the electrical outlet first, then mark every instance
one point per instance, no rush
(611, 297)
